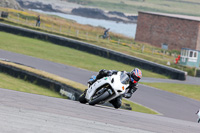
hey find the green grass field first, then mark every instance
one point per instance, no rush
(8, 82)
(64, 55)
(191, 91)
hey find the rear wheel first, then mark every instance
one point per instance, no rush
(99, 98)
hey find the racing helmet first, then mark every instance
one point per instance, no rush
(136, 74)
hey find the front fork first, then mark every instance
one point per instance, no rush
(100, 92)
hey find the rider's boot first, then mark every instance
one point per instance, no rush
(117, 102)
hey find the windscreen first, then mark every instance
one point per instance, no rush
(124, 78)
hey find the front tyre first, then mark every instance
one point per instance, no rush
(82, 98)
(100, 98)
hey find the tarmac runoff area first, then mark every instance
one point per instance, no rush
(168, 104)
(30, 113)
(24, 121)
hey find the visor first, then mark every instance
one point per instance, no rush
(136, 78)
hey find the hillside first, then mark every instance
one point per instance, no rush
(124, 10)
(184, 7)
(10, 4)
(76, 9)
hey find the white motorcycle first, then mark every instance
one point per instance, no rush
(106, 89)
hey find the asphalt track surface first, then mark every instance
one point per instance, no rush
(30, 113)
(168, 104)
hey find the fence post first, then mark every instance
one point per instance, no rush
(195, 72)
(52, 27)
(8, 16)
(131, 45)
(143, 48)
(18, 17)
(97, 38)
(77, 31)
(87, 35)
(69, 30)
(164, 52)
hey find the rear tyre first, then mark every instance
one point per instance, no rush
(82, 98)
(100, 98)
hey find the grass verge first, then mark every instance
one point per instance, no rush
(190, 91)
(48, 75)
(138, 108)
(8, 82)
(64, 55)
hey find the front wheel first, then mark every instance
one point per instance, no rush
(82, 98)
(100, 98)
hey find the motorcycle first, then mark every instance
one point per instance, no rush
(105, 89)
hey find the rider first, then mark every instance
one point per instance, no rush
(106, 33)
(135, 75)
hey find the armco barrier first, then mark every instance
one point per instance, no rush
(56, 86)
(93, 49)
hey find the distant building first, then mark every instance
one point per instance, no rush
(168, 31)
(190, 57)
